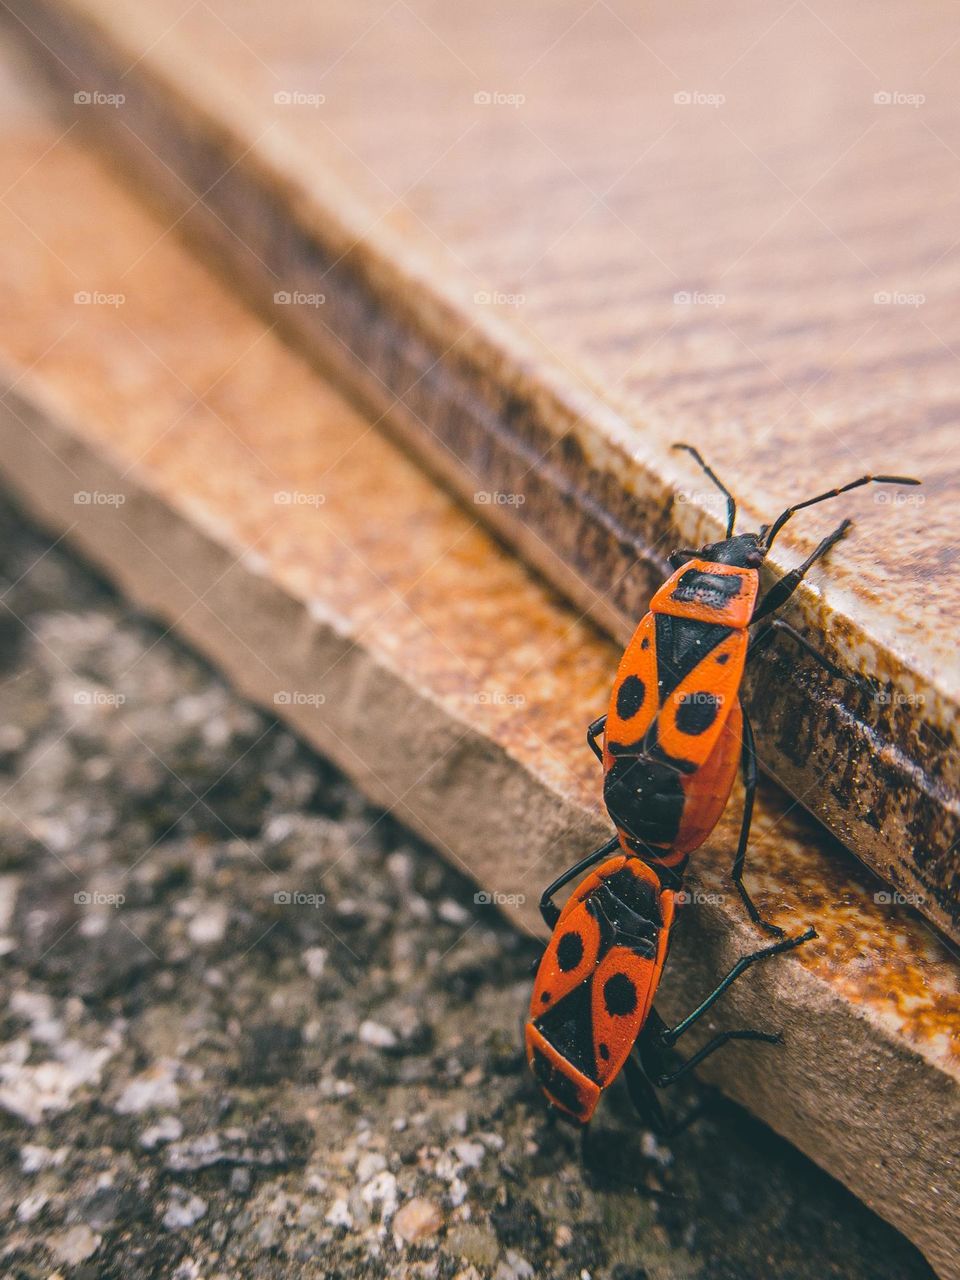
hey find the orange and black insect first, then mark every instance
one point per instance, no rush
(592, 1015)
(675, 731)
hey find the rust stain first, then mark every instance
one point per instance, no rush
(880, 955)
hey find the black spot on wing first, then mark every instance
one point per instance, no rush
(630, 697)
(696, 712)
(569, 951)
(619, 995)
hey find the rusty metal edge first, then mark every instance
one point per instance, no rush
(578, 525)
(834, 1087)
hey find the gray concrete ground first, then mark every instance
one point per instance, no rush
(255, 1029)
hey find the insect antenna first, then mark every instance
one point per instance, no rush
(771, 532)
(708, 470)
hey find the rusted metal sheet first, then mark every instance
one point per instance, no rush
(235, 494)
(575, 256)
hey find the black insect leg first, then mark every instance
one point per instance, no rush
(644, 1097)
(766, 1037)
(646, 1064)
(654, 1045)
(763, 638)
(781, 591)
(648, 1107)
(676, 559)
(671, 1035)
(594, 729)
(548, 908)
(749, 765)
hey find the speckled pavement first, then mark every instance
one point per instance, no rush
(254, 1029)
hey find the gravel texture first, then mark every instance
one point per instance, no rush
(256, 1029)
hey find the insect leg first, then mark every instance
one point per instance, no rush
(673, 1034)
(763, 638)
(749, 765)
(654, 1053)
(781, 591)
(766, 1037)
(595, 728)
(548, 908)
(644, 1097)
(643, 1094)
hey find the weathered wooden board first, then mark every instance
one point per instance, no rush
(549, 242)
(201, 463)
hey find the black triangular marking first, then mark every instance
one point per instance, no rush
(681, 644)
(568, 1026)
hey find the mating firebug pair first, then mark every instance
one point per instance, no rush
(674, 735)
